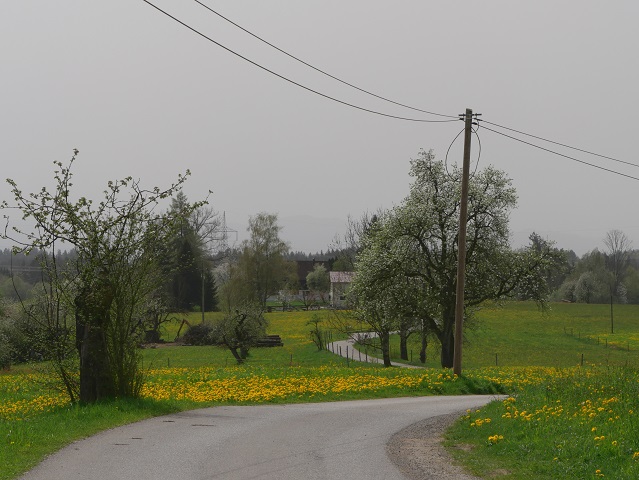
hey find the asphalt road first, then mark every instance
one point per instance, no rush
(346, 349)
(336, 440)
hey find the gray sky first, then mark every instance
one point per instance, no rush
(139, 94)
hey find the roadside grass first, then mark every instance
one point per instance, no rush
(33, 411)
(25, 442)
(576, 423)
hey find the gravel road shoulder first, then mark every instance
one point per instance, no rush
(418, 452)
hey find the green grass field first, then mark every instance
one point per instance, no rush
(538, 364)
(518, 334)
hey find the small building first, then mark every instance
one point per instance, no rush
(340, 281)
(304, 267)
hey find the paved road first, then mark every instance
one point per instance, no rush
(346, 349)
(334, 441)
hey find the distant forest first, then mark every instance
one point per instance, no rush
(581, 279)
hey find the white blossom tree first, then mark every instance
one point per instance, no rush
(411, 256)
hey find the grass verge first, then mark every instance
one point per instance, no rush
(573, 424)
(26, 441)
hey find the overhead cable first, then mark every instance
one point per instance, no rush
(561, 144)
(318, 69)
(397, 117)
(559, 154)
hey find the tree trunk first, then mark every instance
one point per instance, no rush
(448, 349)
(97, 380)
(237, 356)
(422, 351)
(447, 339)
(403, 344)
(96, 377)
(384, 339)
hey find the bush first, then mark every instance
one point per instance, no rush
(201, 334)
(6, 351)
(27, 338)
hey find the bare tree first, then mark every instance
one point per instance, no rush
(240, 330)
(350, 244)
(617, 259)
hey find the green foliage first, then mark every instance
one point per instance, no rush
(14, 288)
(96, 304)
(27, 340)
(261, 269)
(317, 335)
(240, 330)
(318, 280)
(598, 276)
(631, 283)
(590, 289)
(200, 334)
(6, 350)
(407, 268)
(188, 263)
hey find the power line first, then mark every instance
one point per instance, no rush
(476, 132)
(318, 69)
(559, 154)
(562, 144)
(397, 117)
(419, 120)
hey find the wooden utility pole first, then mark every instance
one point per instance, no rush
(612, 318)
(461, 246)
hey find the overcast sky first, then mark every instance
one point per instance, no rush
(139, 94)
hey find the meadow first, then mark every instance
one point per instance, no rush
(519, 334)
(555, 402)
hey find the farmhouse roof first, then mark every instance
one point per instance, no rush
(341, 277)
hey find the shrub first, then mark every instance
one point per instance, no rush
(201, 334)
(6, 351)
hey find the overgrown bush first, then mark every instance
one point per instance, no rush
(25, 339)
(201, 334)
(6, 351)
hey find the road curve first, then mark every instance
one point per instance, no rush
(336, 440)
(346, 349)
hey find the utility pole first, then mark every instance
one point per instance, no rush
(461, 246)
(612, 318)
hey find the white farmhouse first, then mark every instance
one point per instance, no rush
(340, 282)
